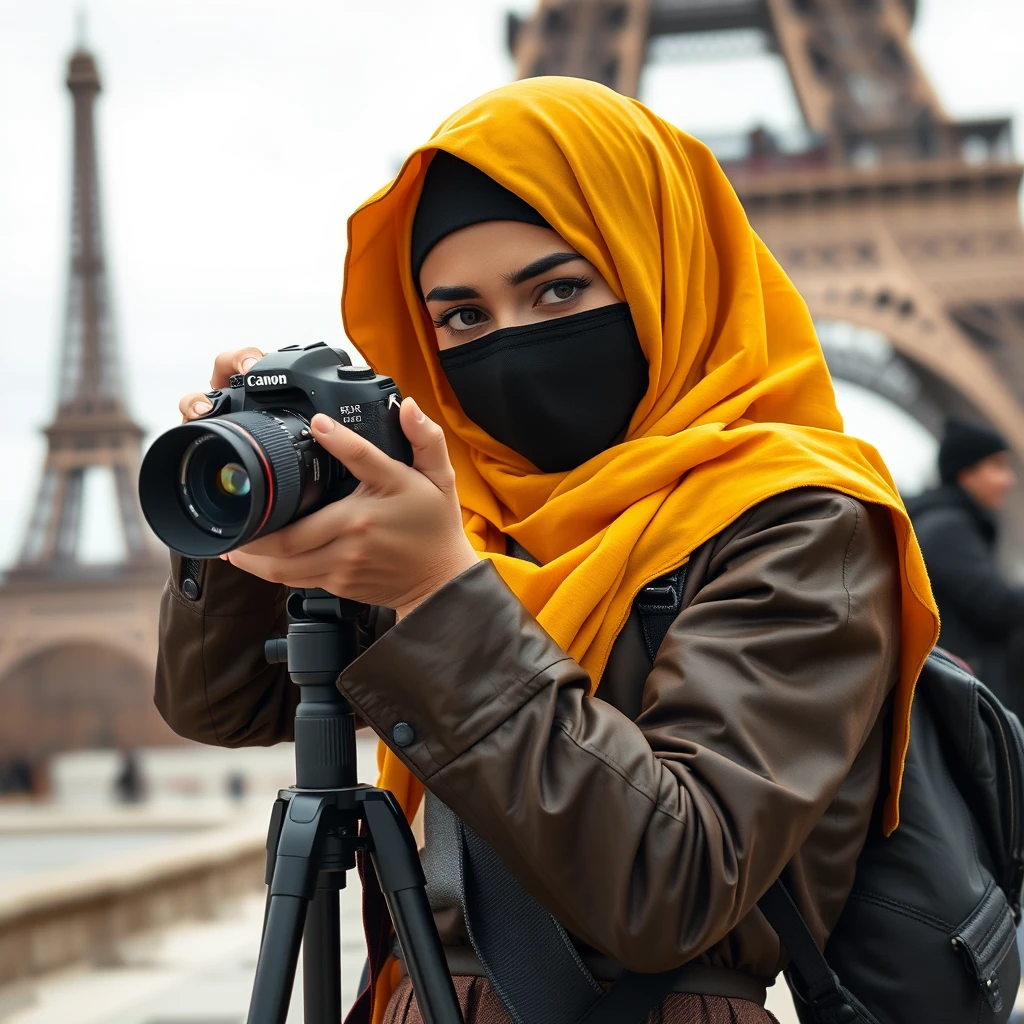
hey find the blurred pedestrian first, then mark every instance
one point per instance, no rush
(957, 524)
(237, 786)
(16, 776)
(130, 784)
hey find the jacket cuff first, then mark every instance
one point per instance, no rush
(215, 587)
(452, 671)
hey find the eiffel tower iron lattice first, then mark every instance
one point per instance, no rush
(92, 426)
(78, 641)
(888, 214)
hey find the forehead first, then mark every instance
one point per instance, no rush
(487, 251)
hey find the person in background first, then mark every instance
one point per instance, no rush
(957, 526)
(237, 786)
(130, 784)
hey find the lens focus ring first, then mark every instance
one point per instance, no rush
(285, 463)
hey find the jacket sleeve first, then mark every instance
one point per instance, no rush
(213, 683)
(651, 840)
(966, 578)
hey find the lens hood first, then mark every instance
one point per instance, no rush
(172, 511)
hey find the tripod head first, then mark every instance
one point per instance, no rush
(322, 640)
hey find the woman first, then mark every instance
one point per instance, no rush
(608, 376)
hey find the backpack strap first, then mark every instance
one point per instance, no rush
(529, 958)
(819, 989)
(658, 605)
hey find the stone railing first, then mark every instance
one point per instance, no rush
(50, 919)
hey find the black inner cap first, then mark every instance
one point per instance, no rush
(455, 195)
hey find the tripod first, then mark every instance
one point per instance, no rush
(314, 836)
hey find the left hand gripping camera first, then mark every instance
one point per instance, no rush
(251, 466)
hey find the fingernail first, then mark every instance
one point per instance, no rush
(322, 424)
(201, 408)
(417, 412)
(223, 558)
(246, 363)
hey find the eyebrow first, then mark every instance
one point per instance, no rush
(541, 266)
(455, 293)
(443, 293)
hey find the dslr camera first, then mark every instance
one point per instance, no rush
(251, 466)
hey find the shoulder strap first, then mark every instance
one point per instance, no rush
(819, 988)
(630, 999)
(658, 604)
(528, 956)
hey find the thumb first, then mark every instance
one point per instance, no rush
(363, 459)
(429, 451)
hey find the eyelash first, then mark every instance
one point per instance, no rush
(577, 282)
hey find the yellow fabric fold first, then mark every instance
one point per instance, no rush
(740, 405)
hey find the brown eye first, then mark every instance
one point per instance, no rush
(562, 291)
(465, 319)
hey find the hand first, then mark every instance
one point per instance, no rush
(196, 404)
(394, 541)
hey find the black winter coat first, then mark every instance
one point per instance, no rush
(982, 615)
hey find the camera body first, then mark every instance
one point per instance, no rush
(318, 378)
(251, 465)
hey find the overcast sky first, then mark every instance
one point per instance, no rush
(237, 135)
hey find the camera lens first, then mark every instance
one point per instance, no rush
(233, 480)
(213, 484)
(209, 486)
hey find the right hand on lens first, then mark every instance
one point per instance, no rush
(225, 366)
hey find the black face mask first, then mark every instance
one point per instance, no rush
(558, 392)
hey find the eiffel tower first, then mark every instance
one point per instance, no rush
(888, 215)
(78, 640)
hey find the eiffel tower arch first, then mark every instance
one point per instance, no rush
(889, 215)
(78, 640)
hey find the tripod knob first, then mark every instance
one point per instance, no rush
(276, 651)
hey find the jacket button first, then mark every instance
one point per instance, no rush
(403, 734)
(190, 588)
(846, 1012)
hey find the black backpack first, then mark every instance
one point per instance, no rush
(929, 931)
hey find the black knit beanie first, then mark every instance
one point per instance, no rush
(456, 194)
(963, 445)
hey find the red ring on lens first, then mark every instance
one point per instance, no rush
(268, 474)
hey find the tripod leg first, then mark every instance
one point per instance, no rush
(273, 838)
(321, 960)
(294, 884)
(279, 954)
(401, 879)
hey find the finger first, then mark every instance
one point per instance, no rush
(429, 449)
(353, 516)
(305, 534)
(363, 459)
(274, 570)
(286, 570)
(229, 363)
(194, 405)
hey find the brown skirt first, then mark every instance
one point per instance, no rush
(480, 1005)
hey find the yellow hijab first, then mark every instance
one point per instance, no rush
(740, 404)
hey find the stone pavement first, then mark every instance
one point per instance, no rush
(199, 973)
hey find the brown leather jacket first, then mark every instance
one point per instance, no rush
(650, 819)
